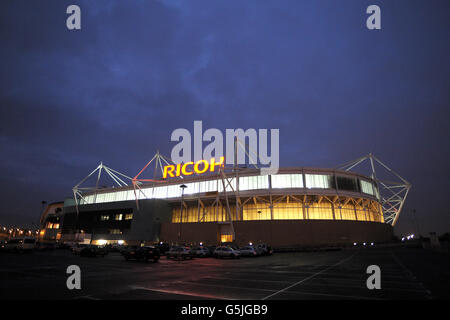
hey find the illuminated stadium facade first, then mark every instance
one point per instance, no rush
(295, 207)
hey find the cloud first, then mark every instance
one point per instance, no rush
(115, 90)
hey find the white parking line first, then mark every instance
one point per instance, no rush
(411, 275)
(179, 292)
(271, 290)
(328, 283)
(310, 277)
(89, 297)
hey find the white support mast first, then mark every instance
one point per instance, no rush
(78, 191)
(392, 194)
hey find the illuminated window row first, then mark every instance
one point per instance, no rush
(52, 225)
(278, 181)
(282, 211)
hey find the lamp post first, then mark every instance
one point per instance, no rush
(181, 210)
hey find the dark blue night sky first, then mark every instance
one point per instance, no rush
(137, 70)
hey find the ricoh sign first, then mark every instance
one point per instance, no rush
(188, 168)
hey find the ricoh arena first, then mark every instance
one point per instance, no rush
(297, 207)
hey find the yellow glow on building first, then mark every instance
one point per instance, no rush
(226, 238)
(311, 209)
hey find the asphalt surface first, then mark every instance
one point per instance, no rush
(406, 273)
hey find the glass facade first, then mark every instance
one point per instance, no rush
(259, 211)
(215, 213)
(253, 183)
(345, 212)
(287, 181)
(319, 181)
(287, 209)
(366, 187)
(271, 205)
(281, 210)
(319, 211)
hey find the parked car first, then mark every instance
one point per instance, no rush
(42, 246)
(93, 251)
(226, 252)
(142, 254)
(201, 252)
(128, 248)
(211, 249)
(248, 251)
(114, 247)
(265, 249)
(181, 253)
(76, 249)
(21, 244)
(62, 245)
(163, 247)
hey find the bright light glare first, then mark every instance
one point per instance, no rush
(120, 242)
(101, 242)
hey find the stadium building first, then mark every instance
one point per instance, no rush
(297, 207)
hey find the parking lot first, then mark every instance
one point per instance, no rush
(406, 273)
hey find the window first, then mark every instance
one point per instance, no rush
(115, 231)
(228, 188)
(160, 192)
(110, 197)
(254, 182)
(226, 238)
(317, 181)
(104, 217)
(128, 216)
(191, 188)
(121, 196)
(362, 213)
(118, 216)
(131, 196)
(287, 211)
(347, 184)
(287, 181)
(99, 198)
(208, 186)
(345, 212)
(173, 191)
(260, 211)
(320, 211)
(366, 187)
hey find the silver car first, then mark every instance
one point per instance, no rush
(201, 252)
(226, 252)
(248, 251)
(180, 253)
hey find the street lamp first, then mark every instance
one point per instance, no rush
(183, 186)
